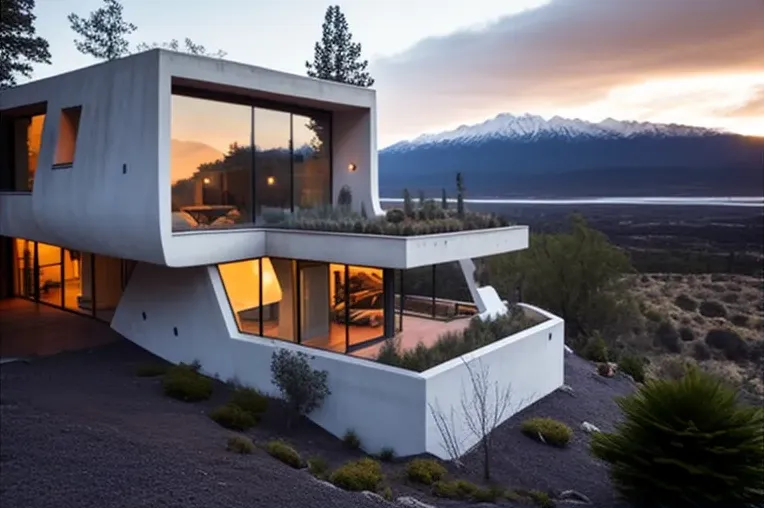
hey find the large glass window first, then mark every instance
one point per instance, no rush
(273, 166)
(311, 161)
(211, 163)
(21, 137)
(366, 304)
(24, 254)
(49, 273)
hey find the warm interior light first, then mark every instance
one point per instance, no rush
(271, 180)
(242, 284)
(351, 167)
(206, 181)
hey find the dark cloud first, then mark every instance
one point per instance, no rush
(567, 53)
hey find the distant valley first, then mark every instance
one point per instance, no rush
(528, 156)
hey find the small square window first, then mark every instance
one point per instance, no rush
(68, 126)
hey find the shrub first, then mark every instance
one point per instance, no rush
(240, 444)
(701, 352)
(386, 454)
(345, 197)
(249, 400)
(633, 366)
(285, 453)
(351, 440)
(686, 334)
(488, 495)
(183, 382)
(712, 309)
(302, 388)
(667, 337)
(551, 431)
(605, 370)
(363, 474)
(740, 320)
(596, 349)
(729, 342)
(233, 417)
(674, 367)
(318, 467)
(704, 447)
(395, 215)
(151, 369)
(456, 489)
(425, 471)
(687, 303)
(541, 499)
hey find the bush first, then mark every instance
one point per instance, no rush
(249, 400)
(551, 431)
(701, 352)
(687, 303)
(425, 471)
(386, 454)
(285, 453)
(740, 320)
(596, 349)
(363, 474)
(233, 417)
(151, 369)
(488, 495)
(318, 467)
(729, 342)
(704, 447)
(686, 334)
(633, 366)
(302, 388)
(183, 382)
(605, 370)
(351, 440)
(712, 309)
(395, 216)
(240, 444)
(667, 337)
(456, 489)
(541, 499)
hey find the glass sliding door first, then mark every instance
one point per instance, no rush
(366, 304)
(78, 281)
(24, 269)
(49, 274)
(311, 161)
(273, 161)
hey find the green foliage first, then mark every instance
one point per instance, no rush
(459, 195)
(667, 337)
(336, 57)
(386, 454)
(444, 199)
(425, 471)
(282, 451)
(488, 495)
(318, 467)
(408, 205)
(20, 46)
(686, 443)
(240, 444)
(395, 216)
(351, 440)
(250, 400)
(541, 499)
(302, 388)
(363, 474)
(455, 489)
(345, 198)
(577, 275)
(634, 366)
(452, 345)
(151, 369)
(104, 33)
(729, 342)
(712, 309)
(189, 47)
(183, 382)
(233, 417)
(553, 432)
(596, 349)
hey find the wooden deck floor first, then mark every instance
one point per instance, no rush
(416, 330)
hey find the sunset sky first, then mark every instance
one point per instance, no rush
(443, 63)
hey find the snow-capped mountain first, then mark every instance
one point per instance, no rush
(533, 128)
(510, 156)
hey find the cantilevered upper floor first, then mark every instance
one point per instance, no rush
(185, 160)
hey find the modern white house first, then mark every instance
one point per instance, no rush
(184, 201)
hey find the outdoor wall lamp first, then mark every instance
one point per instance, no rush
(206, 181)
(270, 180)
(352, 167)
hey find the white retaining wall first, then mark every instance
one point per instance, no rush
(386, 406)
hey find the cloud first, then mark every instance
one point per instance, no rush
(565, 54)
(753, 107)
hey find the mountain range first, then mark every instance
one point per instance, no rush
(528, 156)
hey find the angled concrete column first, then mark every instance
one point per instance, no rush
(486, 298)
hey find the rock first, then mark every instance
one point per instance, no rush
(589, 428)
(567, 389)
(325, 483)
(541, 437)
(573, 496)
(568, 350)
(373, 496)
(411, 502)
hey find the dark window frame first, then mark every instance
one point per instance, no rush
(7, 142)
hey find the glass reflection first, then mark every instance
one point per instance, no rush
(273, 167)
(311, 161)
(78, 270)
(366, 315)
(24, 253)
(49, 273)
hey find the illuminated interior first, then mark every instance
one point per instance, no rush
(68, 127)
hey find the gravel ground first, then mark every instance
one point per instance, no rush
(80, 430)
(522, 462)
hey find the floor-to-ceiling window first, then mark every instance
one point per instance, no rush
(49, 274)
(78, 273)
(24, 255)
(20, 140)
(219, 180)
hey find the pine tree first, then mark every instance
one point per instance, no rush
(336, 56)
(19, 46)
(103, 33)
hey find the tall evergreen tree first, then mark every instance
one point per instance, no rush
(336, 56)
(19, 44)
(103, 33)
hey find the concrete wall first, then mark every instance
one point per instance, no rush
(529, 363)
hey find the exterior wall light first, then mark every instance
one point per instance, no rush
(352, 167)
(206, 181)
(270, 180)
